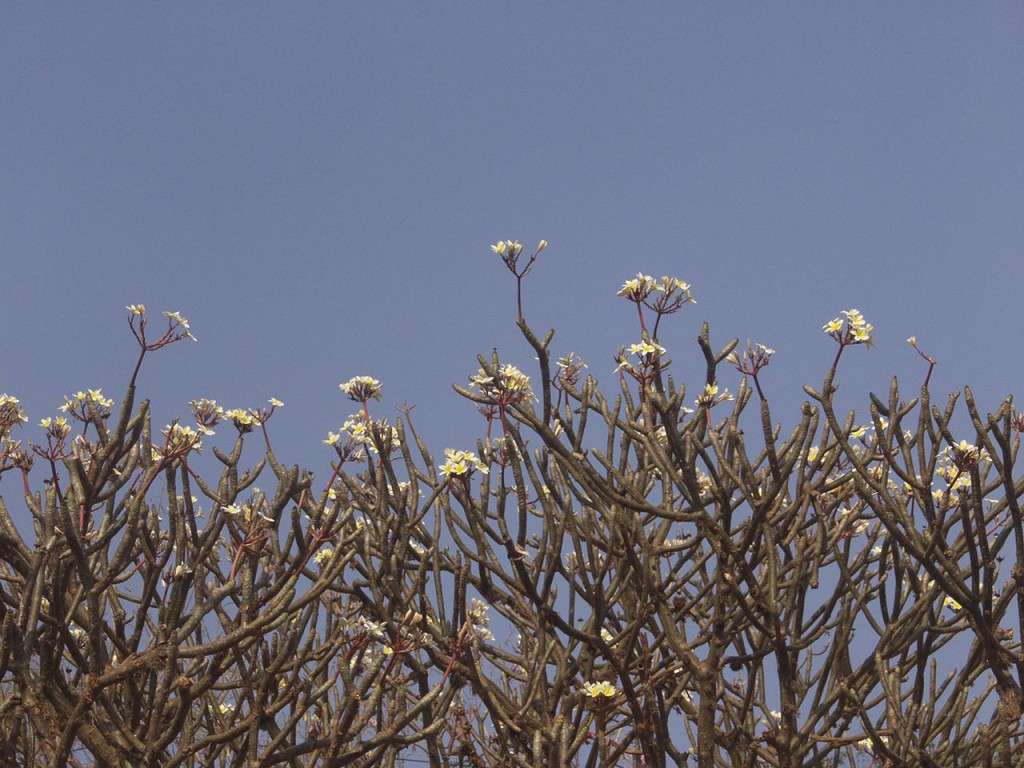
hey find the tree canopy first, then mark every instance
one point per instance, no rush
(646, 575)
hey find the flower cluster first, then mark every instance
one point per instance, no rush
(507, 385)
(207, 414)
(638, 288)
(260, 415)
(461, 464)
(750, 363)
(711, 397)
(11, 413)
(177, 329)
(673, 291)
(510, 251)
(81, 404)
(374, 629)
(570, 369)
(56, 428)
(178, 325)
(357, 433)
(854, 330)
(180, 439)
(966, 456)
(324, 556)
(954, 466)
(507, 249)
(242, 418)
(362, 388)
(251, 509)
(479, 619)
(646, 352)
(859, 432)
(645, 349)
(867, 745)
(753, 359)
(672, 294)
(595, 690)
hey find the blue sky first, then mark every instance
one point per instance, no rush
(316, 188)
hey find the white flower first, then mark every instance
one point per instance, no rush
(362, 388)
(711, 396)
(240, 417)
(508, 385)
(858, 329)
(371, 627)
(597, 689)
(510, 249)
(639, 288)
(461, 464)
(323, 556)
(177, 321)
(646, 348)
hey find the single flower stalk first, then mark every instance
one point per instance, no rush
(853, 330)
(510, 251)
(362, 389)
(750, 363)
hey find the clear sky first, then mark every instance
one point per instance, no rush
(316, 187)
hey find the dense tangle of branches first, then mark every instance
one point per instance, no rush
(610, 579)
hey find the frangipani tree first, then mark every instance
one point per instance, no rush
(616, 577)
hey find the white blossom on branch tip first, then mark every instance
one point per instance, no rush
(509, 248)
(595, 690)
(57, 428)
(80, 404)
(461, 464)
(179, 323)
(507, 385)
(362, 388)
(646, 348)
(11, 413)
(711, 396)
(323, 556)
(638, 288)
(857, 330)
